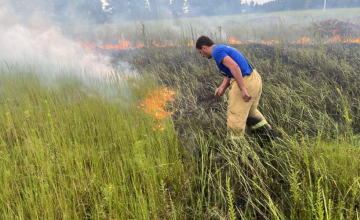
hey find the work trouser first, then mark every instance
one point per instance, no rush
(241, 113)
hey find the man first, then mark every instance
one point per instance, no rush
(246, 88)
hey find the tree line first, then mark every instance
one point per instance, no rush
(97, 11)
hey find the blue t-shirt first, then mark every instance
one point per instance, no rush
(221, 51)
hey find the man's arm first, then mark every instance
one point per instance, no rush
(221, 90)
(236, 72)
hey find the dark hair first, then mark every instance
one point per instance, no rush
(204, 41)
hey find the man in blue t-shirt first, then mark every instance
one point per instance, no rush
(246, 88)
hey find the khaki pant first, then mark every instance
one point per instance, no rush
(240, 111)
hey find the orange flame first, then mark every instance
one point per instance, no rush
(304, 40)
(233, 41)
(126, 45)
(155, 103)
(270, 42)
(86, 45)
(122, 45)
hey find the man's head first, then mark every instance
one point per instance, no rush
(205, 45)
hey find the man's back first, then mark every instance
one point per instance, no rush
(221, 51)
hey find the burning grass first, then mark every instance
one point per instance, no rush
(309, 92)
(76, 151)
(155, 102)
(79, 151)
(81, 154)
(335, 27)
(335, 37)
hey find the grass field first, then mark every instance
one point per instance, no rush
(285, 26)
(74, 146)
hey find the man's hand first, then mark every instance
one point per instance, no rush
(245, 95)
(219, 91)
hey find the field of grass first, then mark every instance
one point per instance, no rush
(75, 147)
(284, 26)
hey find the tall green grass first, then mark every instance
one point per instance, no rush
(76, 146)
(309, 95)
(71, 151)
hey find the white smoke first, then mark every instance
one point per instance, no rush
(49, 46)
(40, 41)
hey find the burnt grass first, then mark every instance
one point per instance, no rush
(306, 88)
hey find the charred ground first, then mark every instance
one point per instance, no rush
(302, 83)
(309, 92)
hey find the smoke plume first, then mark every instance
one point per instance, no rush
(30, 36)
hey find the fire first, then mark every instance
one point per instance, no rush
(338, 39)
(155, 102)
(270, 42)
(96, 47)
(86, 45)
(303, 40)
(126, 45)
(158, 45)
(122, 45)
(233, 41)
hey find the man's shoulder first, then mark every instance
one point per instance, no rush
(224, 48)
(220, 47)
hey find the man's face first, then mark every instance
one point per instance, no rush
(205, 52)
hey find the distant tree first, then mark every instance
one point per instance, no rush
(119, 6)
(256, 8)
(281, 5)
(139, 9)
(197, 7)
(92, 11)
(249, 7)
(226, 7)
(154, 9)
(65, 11)
(209, 7)
(163, 8)
(89, 11)
(234, 7)
(177, 8)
